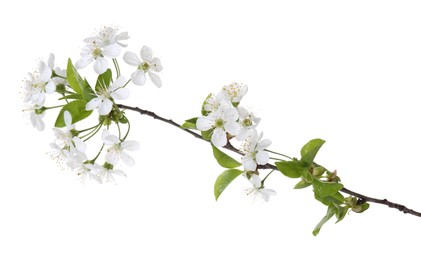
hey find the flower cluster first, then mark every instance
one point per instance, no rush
(224, 119)
(78, 100)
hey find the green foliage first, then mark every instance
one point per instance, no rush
(223, 159)
(292, 169)
(104, 80)
(71, 96)
(76, 109)
(224, 180)
(207, 135)
(330, 212)
(80, 86)
(190, 123)
(324, 189)
(310, 149)
(302, 184)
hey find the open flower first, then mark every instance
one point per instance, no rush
(38, 84)
(234, 92)
(104, 172)
(66, 138)
(118, 149)
(258, 191)
(104, 100)
(254, 153)
(146, 65)
(35, 116)
(108, 36)
(248, 122)
(93, 52)
(222, 121)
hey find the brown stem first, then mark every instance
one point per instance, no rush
(363, 198)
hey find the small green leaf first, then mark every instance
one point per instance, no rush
(330, 212)
(71, 96)
(336, 198)
(324, 189)
(73, 77)
(104, 80)
(224, 180)
(76, 109)
(310, 149)
(340, 212)
(292, 169)
(88, 92)
(207, 135)
(302, 184)
(223, 159)
(190, 123)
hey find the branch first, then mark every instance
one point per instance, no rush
(361, 197)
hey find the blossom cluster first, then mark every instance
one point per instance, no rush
(223, 118)
(77, 101)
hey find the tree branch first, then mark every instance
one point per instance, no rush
(361, 197)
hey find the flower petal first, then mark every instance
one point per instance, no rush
(83, 62)
(37, 122)
(205, 123)
(94, 103)
(129, 161)
(100, 65)
(45, 72)
(266, 193)
(255, 180)
(105, 107)
(121, 93)
(249, 164)
(112, 157)
(230, 114)
(67, 118)
(156, 65)
(262, 157)
(264, 144)
(138, 77)
(51, 61)
(120, 81)
(233, 128)
(219, 137)
(50, 87)
(146, 53)
(79, 144)
(130, 145)
(131, 58)
(155, 79)
(111, 51)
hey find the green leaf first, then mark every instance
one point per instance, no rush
(302, 184)
(310, 149)
(71, 96)
(292, 169)
(77, 84)
(330, 212)
(207, 135)
(224, 180)
(104, 80)
(340, 212)
(76, 109)
(223, 159)
(336, 198)
(324, 189)
(190, 123)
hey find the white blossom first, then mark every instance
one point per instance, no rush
(108, 36)
(248, 122)
(104, 172)
(94, 52)
(222, 121)
(105, 96)
(39, 84)
(213, 103)
(35, 116)
(147, 64)
(234, 92)
(254, 154)
(257, 191)
(66, 138)
(117, 149)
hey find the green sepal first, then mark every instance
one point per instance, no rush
(223, 180)
(310, 149)
(223, 159)
(190, 123)
(292, 169)
(330, 212)
(76, 109)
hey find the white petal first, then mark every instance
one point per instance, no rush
(230, 114)
(37, 122)
(93, 103)
(264, 144)
(51, 61)
(130, 145)
(50, 87)
(156, 65)
(244, 133)
(138, 77)
(118, 172)
(255, 180)
(105, 107)
(146, 53)
(112, 51)
(131, 58)
(262, 157)
(38, 98)
(129, 161)
(83, 62)
(100, 65)
(67, 118)
(108, 138)
(219, 137)
(233, 128)
(45, 72)
(242, 112)
(112, 157)
(205, 123)
(120, 81)
(266, 193)
(122, 93)
(249, 164)
(79, 144)
(155, 79)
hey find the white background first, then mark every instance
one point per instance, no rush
(344, 71)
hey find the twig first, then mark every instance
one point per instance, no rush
(363, 198)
